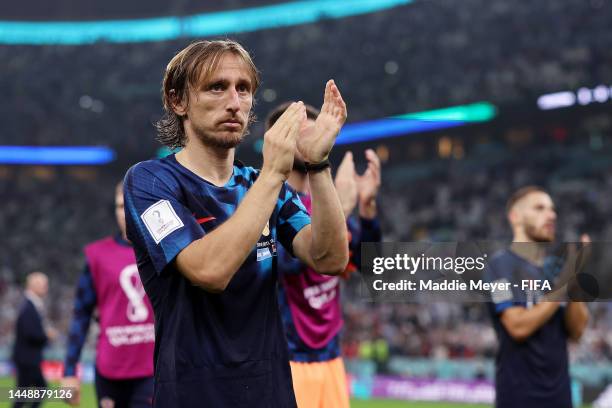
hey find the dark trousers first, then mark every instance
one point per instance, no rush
(29, 376)
(132, 393)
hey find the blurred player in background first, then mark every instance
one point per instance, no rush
(31, 335)
(124, 353)
(532, 360)
(205, 229)
(310, 302)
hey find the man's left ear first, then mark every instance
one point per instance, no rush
(178, 104)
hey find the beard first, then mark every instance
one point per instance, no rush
(538, 235)
(227, 141)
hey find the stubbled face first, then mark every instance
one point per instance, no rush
(218, 111)
(120, 211)
(536, 215)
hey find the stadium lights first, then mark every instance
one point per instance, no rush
(169, 28)
(417, 122)
(56, 155)
(583, 96)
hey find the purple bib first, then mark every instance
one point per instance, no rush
(314, 302)
(127, 335)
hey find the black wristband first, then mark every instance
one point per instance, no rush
(314, 167)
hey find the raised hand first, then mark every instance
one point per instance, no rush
(346, 184)
(368, 184)
(280, 142)
(574, 261)
(316, 141)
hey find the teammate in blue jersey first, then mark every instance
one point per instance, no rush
(532, 360)
(310, 303)
(205, 230)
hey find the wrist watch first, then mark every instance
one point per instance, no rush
(314, 167)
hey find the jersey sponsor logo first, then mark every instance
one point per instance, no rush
(161, 220)
(129, 280)
(263, 253)
(204, 219)
(266, 249)
(500, 296)
(266, 246)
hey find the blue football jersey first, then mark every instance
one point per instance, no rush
(211, 349)
(535, 372)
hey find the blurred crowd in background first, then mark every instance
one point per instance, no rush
(445, 187)
(51, 214)
(425, 55)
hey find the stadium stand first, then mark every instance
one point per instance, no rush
(438, 187)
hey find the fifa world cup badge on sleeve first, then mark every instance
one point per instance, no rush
(161, 220)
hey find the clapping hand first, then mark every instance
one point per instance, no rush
(316, 140)
(346, 184)
(368, 184)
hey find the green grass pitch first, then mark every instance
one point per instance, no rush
(88, 400)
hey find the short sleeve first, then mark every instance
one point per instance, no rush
(292, 216)
(498, 271)
(157, 222)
